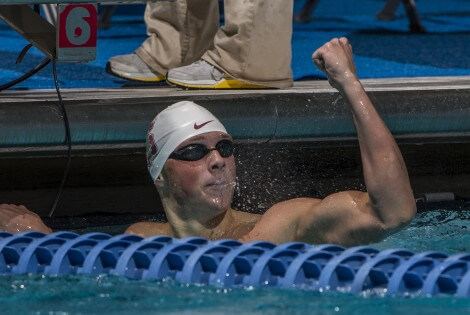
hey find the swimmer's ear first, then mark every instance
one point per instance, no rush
(162, 186)
(160, 181)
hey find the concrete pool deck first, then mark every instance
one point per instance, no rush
(417, 110)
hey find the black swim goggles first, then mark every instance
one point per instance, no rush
(195, 152)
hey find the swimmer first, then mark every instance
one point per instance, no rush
(190, 159)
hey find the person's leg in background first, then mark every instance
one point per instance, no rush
(180, 32)
(305, 14)
(252, 49)
(387, 13)
(413, 17)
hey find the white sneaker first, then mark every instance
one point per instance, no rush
(131, 67)
(203, 75)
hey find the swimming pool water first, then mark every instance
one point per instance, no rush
(444, 231)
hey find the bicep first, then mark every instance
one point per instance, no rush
(345, 218)
(280, 223)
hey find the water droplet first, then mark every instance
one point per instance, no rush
(336, 100)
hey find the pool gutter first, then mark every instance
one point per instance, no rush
(417, 110)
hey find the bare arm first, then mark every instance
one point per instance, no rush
(350, 217)
(15, 219)
(147, 229)
(388, 204)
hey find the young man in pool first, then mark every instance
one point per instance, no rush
(190, 160)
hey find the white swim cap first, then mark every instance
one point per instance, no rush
(174, 125)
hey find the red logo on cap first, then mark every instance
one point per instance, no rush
(152, 145)
(196, 126)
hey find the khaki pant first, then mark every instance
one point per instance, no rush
(253, 45)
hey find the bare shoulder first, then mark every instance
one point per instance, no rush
(242, 224)
(288, 211)
(146, 229)
(312, 220)
(242, 216)
(295, 204)
(279, 223)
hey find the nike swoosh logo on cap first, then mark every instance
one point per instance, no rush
(196, 126)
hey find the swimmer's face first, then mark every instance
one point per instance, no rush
(207, 183)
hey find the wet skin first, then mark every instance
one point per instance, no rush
(196, 196)
(15, 219)
(206, 184)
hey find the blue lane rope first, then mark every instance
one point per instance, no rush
(229, 263)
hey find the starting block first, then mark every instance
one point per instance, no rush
(72, 39)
